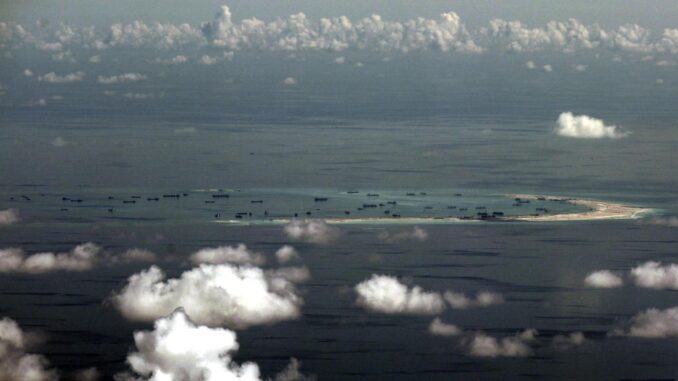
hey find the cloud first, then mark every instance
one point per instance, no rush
(286, 254)
(481, 345)
(237, 297)
(28, 73)
(207, 60)
(9, 217)
(530, 65)
(603, 279)
(292, 373)
(655, 275)
(15, 363)
(313, 231)
(340, 60)
(238, 255)
(565, 342)
(122, 78)
(176, 60)
(139, 96)
(458, 300)
(386, 294)
(95, 59)
(178, 349)
(83, 257)
(580, 68)
(437, 327)
(585, 127)
(289, 81)
(547, 68)
(416, 234)
(52, 77)
(653, 324)
(132, 256)
(59, 142)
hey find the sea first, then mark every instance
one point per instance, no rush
(427, 132)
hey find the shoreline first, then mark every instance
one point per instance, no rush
(600, 210)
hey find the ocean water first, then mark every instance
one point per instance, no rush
(479, 127)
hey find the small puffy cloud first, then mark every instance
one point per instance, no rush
(292, 373)
(530, 65)
(15, 363)
(292, 274)
(52, 77)
(238, 255)
(659, 81)
(416, 234)
(9, 217)
(386, 294)
(178, 349)
(437, 327)
(340, 60)
(207, 60)
(564, 342)
(132, 256)
(547, 68)
(580, 68)
(585, 127)
(655, 275)
(83, 257)
(286, 254)
(122, 78)
(481, 345)
(603, 279)
(95, 59)
(289, 81)
(59, 142)
(236, 297)
(28, 73)
(458, 300)
(313, 231)
(89, 374)
(653, 324)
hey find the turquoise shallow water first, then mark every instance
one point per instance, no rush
(47, 206)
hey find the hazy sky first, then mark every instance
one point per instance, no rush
(653, 14)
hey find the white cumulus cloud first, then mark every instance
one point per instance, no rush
(237, 297)
(314, 231)
(655, 275)
(481, 345)
(238, 255)
(83, 257)
(286, 254)
(52, 77)
(178, 349)
(15, 363)
(386, 294)
(437, 327)
(458, 300)
(586, 127)
(9, 217)
(653, 324)
(603, 279)
(122, 78)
